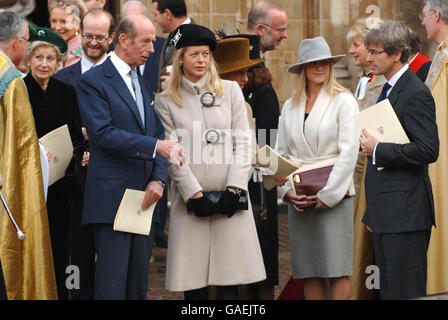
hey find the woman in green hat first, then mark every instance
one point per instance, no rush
(54, 104)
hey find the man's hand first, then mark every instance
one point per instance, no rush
(173, 151)
(153, 192)
(368, 142)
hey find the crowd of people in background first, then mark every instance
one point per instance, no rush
(134, 103)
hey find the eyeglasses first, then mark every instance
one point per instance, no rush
(375, 53)
(280, 30)
(423, 15)
(26, 40)
(99, 39)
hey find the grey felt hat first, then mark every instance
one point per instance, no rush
(311, 50)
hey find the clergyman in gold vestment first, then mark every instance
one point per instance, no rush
(435, 21)
(27, 265)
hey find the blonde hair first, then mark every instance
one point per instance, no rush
(76, 8)
(331, 86)
(213, 83)
(362, 26)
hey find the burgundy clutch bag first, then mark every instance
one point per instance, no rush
(310, 182)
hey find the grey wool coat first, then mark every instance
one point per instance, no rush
(214, 250)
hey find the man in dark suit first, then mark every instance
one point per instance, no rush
(97, 27)
(127, 150)
(400, 205)
(169, 14)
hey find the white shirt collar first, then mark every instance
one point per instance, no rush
(188, 21)
(392, 81)
(86, 64)
(122, 67)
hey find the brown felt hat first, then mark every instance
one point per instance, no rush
(232, 54)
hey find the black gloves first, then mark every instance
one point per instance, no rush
(228, 203)
(202, 207)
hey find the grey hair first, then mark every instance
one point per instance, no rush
(36, 44)
(125, 7)
(438, 5)
(11, 26)
(259, 13)
(393, 36)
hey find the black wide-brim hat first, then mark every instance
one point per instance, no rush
(193, 35)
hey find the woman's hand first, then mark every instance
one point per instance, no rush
(319, 205)
(197, 195)
(280, 181)
(85, 159)
(84, 134)
(296, 201)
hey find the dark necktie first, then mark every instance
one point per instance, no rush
(383, 94)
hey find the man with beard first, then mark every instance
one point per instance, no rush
(97, 28)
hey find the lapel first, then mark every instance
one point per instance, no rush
(76, 70)
(394, 95)
(148, 101)
(315, 117)
(296, 126)
(111, 73)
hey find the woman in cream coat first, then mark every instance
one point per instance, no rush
(317, 124)
(207, 246)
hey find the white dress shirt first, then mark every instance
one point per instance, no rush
(86, 64)
(124, 70)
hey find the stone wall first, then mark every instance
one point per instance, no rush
(307, 18)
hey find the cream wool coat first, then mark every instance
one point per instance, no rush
(214, 250)
(329, 131)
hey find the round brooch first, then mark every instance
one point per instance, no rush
(208, 99)
(212, 136)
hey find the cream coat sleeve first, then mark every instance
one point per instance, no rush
(184, 179)
(348, 144)
(241, 135)
(282, 145)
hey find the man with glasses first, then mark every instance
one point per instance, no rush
(97, 28)
(400, 205)
(434, 18)
(23, 185)
(270, 22)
